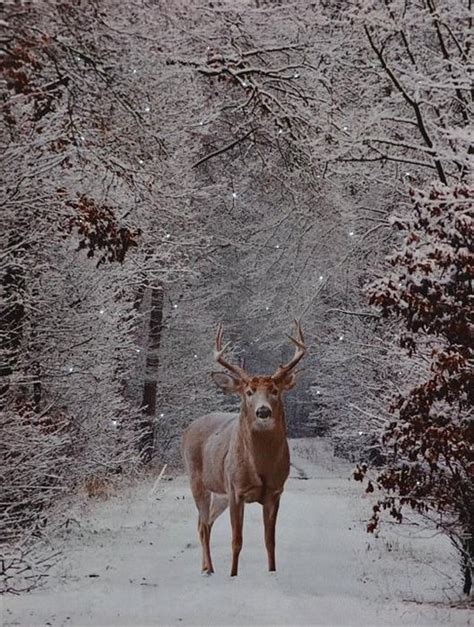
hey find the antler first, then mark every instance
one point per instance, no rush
(299, 352)
(218, 356)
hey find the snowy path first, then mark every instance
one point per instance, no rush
(136, 561)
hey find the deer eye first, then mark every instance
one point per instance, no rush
(249, 392)
(274, 391)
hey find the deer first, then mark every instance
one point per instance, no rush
(234, 459)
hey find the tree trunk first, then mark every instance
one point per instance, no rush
(467, 560)
(12, 315)
(36, 371)
(146, 442)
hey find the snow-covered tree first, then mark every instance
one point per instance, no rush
(88, 226)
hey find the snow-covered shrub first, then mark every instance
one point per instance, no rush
(35, 449)
(429, 442)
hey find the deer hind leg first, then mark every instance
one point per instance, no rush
(237, 521)
(205, 536)
(270, 512)
(202, 498)
(219, 503)
(211, 506)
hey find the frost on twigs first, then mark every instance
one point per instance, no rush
(430, 440)
(267, 79)
(25, 566)
(34, 464)
(34, 448)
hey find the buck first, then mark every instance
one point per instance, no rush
(233, 459)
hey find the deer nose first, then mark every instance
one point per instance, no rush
(263, 412)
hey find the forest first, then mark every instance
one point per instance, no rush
(169, 166)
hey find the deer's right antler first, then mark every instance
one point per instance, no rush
(219, 352)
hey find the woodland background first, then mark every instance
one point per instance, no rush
(171, 165)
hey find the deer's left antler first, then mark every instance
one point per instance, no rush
(300, 350)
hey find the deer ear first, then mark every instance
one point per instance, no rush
(230, 384)
(289, 381)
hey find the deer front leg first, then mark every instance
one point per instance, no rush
(237, 521)
(270, 512)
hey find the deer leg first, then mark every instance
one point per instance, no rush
(237, 521)
(202, 497)
(205, 536)
(270, 512)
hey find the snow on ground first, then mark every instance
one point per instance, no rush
(135, 560)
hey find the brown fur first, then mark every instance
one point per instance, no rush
(233, 459)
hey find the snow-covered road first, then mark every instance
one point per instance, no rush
(135, 560)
